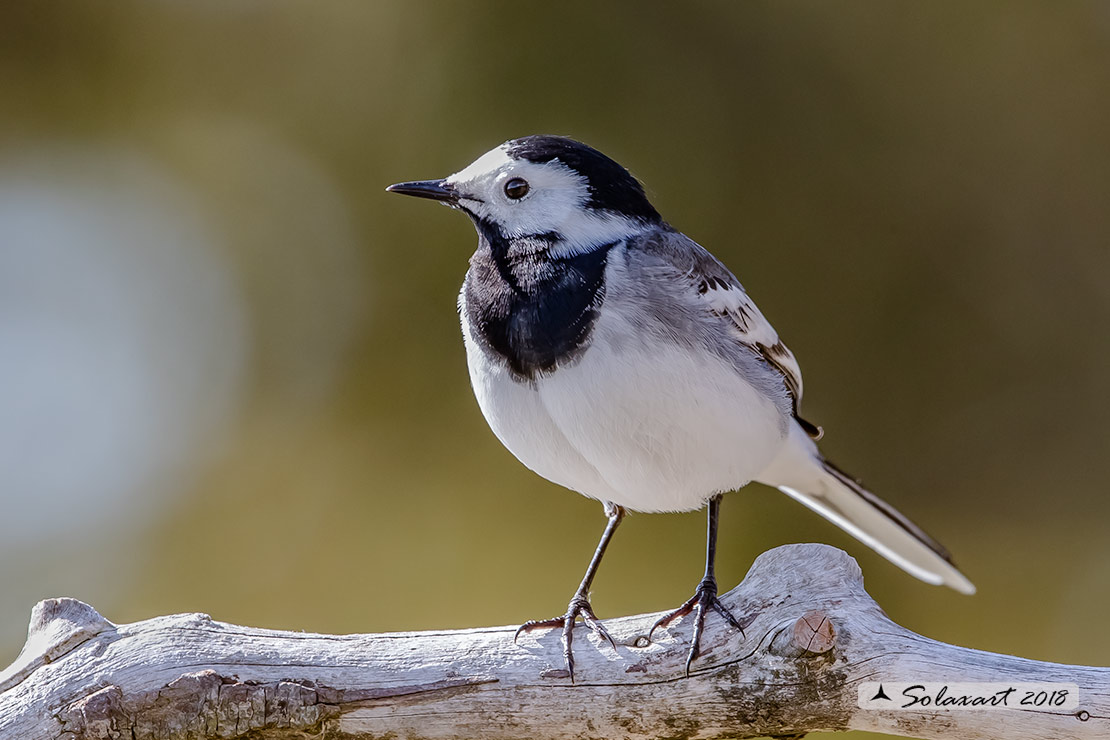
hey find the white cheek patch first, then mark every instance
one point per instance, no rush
(555, 193)
(586, 229)
(556, 203)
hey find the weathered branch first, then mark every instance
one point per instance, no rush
(812, 638)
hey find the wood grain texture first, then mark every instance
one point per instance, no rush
(812, 635)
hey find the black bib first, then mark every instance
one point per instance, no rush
(533, 310)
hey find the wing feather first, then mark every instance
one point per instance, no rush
(724, 296)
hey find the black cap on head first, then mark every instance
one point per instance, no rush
(612, 187)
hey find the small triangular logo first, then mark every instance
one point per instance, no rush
(880, 694)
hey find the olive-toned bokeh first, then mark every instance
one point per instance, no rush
(231, 376)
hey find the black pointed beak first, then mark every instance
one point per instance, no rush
(431, 189)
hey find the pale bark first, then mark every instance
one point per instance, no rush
(812, 636)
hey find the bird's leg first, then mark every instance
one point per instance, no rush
(705, 597)
(580, 603)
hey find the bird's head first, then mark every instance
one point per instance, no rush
(551, 187)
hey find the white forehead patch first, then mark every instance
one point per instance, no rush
(487, 164)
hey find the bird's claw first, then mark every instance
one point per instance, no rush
(704, 598)
(579, 607)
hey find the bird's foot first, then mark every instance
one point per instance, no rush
(704, 599)
(579, 607)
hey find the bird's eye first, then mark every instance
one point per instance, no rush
(516, 188)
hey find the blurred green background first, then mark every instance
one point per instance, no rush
(231, 376)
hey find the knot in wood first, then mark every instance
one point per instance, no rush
(814, 633)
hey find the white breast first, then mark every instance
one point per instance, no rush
(646, 425)
(515, 412)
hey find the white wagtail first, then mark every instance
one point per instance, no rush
(618, 358)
